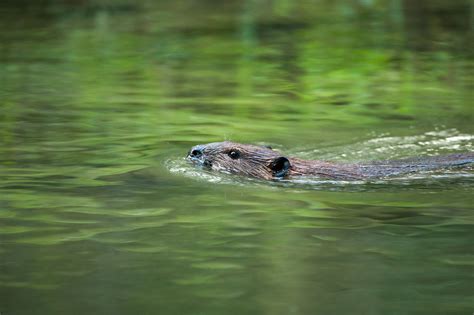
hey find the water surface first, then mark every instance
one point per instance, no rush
(101, 100)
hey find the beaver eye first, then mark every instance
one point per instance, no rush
(234, 154)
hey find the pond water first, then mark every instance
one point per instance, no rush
(101, 100)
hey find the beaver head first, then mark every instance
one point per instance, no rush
(244, 159)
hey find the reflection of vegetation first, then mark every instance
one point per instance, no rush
(93, 92)
(336, 55)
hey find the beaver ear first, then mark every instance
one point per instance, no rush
(280, 166)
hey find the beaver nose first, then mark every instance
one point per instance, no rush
(196, 152)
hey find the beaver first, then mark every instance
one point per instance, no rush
(265, 163)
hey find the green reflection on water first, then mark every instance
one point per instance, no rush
(100, 100)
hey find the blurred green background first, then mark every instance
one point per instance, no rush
(100, 101)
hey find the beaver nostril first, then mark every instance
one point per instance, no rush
(196, 153)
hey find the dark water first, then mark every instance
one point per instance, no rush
(100, 101)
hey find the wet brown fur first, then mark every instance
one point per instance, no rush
(259, 161)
